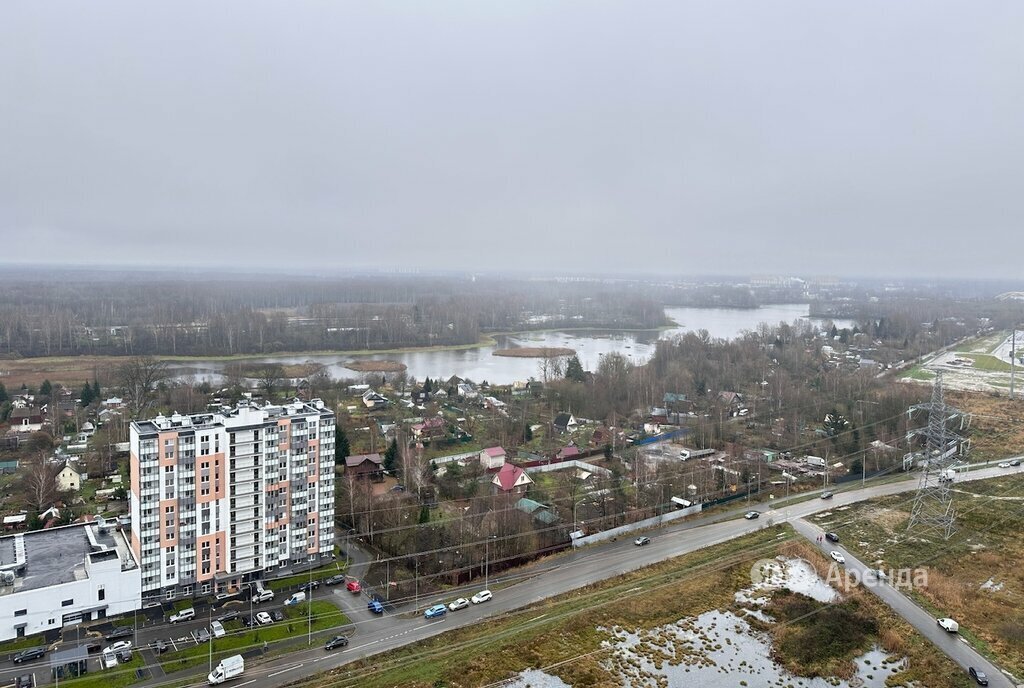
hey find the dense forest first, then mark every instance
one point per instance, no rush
(137, 313)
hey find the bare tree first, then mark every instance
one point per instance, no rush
(39, 486)
(270, 377)
(139, 378)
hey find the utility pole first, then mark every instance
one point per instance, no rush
(309, 611)
(1013, 358)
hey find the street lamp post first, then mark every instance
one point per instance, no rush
(487, 561)
(211, 639)
(309, 608)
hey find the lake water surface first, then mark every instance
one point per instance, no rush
(480, 364)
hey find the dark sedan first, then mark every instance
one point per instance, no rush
(29, 654)
(831, 537)
(335, 580)
(312, 585)
(121, 632)
(336, 642)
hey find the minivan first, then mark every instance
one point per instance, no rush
(183, 615)
(295, 599)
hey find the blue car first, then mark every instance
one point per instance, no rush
(436, 611)
(375, 607)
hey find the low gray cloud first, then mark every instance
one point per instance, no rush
(871, 138)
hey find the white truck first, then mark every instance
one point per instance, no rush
(947, 475)
(229, 668)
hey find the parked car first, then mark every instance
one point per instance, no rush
(202, 636)
(25, 681)
(641, 541)
(353, 586)
(119, 645)
(837, 557)
(124, 656)
(832, 537)
(375, 607)
(978, 675)
(29, 654)
(183, 615)
(311, 585)
(217, 628)
(751, 515)
(1004, 464)
(436, 611)
(230, 616)
(121, 632)
(1015, 462)
(277, 615)
(263, 618)
(948, 625)
(826, 495)
(160, 647)
(481, 596)
(248, 621)
(335, 580)
(263, 596)
(458, 604)
(295, 599)
(336, 642)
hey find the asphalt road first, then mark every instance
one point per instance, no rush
(374, 634)
(952, 644)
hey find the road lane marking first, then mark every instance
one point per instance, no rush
(284, 670)
(239, 685)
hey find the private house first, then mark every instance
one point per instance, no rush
(430, 428)
(540, 512)
(372, 400)
(566, 453)
(365, 466)
(68, 480)
(565, 422)
(492, 457)
(26, 419)
(511, 479)
(467, 390)
(730, 398)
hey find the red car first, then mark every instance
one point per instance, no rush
(353, 586)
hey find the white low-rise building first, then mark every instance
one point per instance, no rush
(51, 578)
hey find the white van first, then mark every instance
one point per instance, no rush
(183, 615)
(295, 599)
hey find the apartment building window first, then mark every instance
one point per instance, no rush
(67, 603)
(101, 593)
(169, 535)
(20, 612)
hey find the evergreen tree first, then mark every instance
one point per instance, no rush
(428, 386)
(528, 434)
(574, 370)
(96, 389)
(424, 514)
(3, 393)
(342, 450)
(391, 457)
(86, 396)
(46, 389)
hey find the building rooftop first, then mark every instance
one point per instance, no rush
(243, 413)
(58, 555)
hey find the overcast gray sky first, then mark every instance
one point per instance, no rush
(811, 137)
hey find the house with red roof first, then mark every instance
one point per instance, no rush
(492, 457)
(565, 453)
(511, 479)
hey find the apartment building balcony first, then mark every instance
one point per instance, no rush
(245, 502)
(243, 463)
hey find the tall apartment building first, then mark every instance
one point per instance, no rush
(219, 499)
